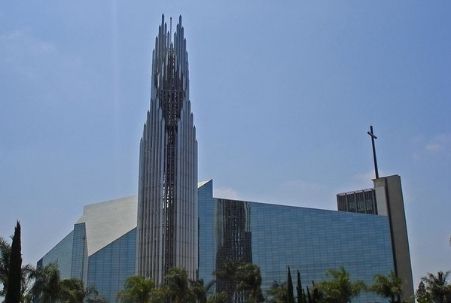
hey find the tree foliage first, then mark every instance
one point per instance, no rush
(226, 277)
(277, 293)
(177, 286)
(5, 251)
(25, 272)
(339, 288)
(438, 287)
(5, 272)
(315, 296)
(14, 277)
(138, 290)
(93, 296)
(300, 294)
(242, 279)
(47, 284)
(249, 280)
(72, 291)
(290, 295)
(389, 287)
(218, 298)
(200, 290)
(49, 288)
(422, 295)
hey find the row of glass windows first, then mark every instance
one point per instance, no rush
(112, 265)
(309, 240)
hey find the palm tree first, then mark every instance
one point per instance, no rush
(240, 280)
(277, 293)
(315, 297)
(49, 288)
(249, 280)
(389, 287)
(226, 278)
(72, 291)
(177, 286)
(138, 290)
(93, 296)
(47, 284)
(218, 298)
(26, 283)
(340, 289)
(200, 290)
(5, 251)
(437, 286)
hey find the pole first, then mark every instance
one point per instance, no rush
(371, 134)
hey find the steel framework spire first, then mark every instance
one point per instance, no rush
(167, 194)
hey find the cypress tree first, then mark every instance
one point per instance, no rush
(15, 269)
(422, 295)
(309, 297)
(290, 296)
(299, 289)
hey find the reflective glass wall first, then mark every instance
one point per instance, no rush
(275, 237)
(207, 243)
(61, 255)
(112, 265)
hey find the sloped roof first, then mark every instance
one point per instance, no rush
(202, 183)
(109, 220)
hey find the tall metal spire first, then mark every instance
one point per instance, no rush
(167, 193)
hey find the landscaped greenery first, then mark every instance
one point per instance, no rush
(435, 288)
(242, 280)
(388, 287)
(14, 278)
(25, 284)
(177, 288)
(339, 288)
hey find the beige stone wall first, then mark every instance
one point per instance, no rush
(390, 199)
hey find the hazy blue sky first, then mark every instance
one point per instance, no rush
(283, 93)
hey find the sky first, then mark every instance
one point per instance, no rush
(283, 94)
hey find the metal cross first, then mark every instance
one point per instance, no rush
(373, 136)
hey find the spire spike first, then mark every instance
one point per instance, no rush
(170, 29)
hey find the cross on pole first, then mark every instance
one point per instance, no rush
(373, 136)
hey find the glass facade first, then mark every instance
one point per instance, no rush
(79, 252)
(309, 240)
(271, 236)
(233, 242)
(109, 267)
(207, 244)
(61, 254)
